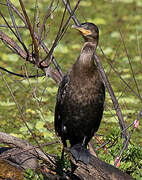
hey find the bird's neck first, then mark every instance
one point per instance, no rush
(89, 47)
(86, 59)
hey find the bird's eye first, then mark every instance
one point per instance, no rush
(85, 31)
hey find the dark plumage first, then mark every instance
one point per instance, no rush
(80, 98)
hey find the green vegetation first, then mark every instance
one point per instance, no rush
(37, 97)
(131, 159)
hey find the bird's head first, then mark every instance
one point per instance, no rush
(89, 31)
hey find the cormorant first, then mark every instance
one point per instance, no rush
(80, 97)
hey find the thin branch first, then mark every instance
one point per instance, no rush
(18, 13)
(21, 114)
(113, 97)
(118, 74)
(13, 21)
(44, 20)
(15, 35)
(125, 48)
(70, 12)
(129, 135)
(31, 32)
(4, 26)
(61, 33)
(13, 45)
(64, 29)
(129, 60)
(47, 58)
(48, 70)
(42, 43)
(21, 75)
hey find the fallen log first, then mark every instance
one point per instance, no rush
(19, 150)
(98, 170)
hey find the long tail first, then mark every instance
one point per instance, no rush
(80, 153)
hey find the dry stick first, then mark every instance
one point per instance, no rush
(64, 29)
(133, 123)
(49, 12)
(31, 32)
(18, 13)
(36, 23)
(50, 71)
(60, 32)
(47, 58)
(125, 48)
(118, 74)
(15, 34)
(35, 96)
(138, 44)
(13, 45)
(42, 44)
(129, 136)
(107, 83)
(114, 58)
(113, 97)
(22, 117)
(16, 29)
(13, 21)
(33, 29)
(70, 12)
(67, 22)
(44, 20)
(4, 26)
(21, 75)
(129, 60)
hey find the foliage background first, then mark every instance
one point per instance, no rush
(37, 97)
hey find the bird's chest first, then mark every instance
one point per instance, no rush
(83, 91)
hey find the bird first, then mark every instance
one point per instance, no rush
(80, 97)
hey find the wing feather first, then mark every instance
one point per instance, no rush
(59, 104)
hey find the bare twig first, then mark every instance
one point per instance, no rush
(31, 32)
(21, 75)
(15, 35)
(60, 33)
(49, 10)
(4, 26)
(14, 45)
(49, 71)
(22, 117)
(18, 13)
(125, 48)
(70, 11)
(43, 46)
(13, 21)
(113, 97)
(118, 74)
(47, 58)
